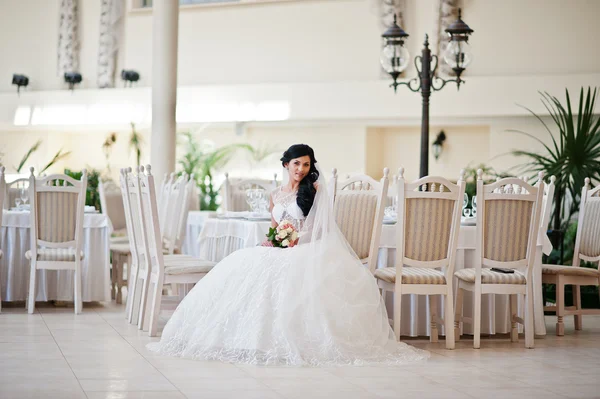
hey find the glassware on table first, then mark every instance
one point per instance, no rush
(474, 205)
(251, 198)
(18, 202)
(24, 195)
(466, 211)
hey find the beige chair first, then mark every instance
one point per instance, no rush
(234, 195)
(2, 196)
(57, 205)
(429, 211)
(587, 248)
(111, 202)
(358, 205)
(508, 221)
(12, 191)
(160, 269)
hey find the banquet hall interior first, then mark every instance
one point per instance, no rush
(140, 141)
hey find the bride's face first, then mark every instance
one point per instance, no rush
(298, 168)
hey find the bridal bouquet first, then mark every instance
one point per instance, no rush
(283, 236)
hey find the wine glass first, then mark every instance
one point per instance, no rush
(251, 198)
(466, 212)
(24, 195)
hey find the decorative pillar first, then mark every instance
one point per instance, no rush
(164, 85)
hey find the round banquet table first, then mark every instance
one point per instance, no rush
(220, 237)
(54, 284)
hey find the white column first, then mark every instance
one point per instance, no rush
(165, 29)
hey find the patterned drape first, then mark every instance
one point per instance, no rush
(111, 28)
(447, 12)
(68, 40)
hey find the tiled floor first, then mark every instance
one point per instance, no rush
(55, 354)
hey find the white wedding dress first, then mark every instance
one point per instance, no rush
(313, 304)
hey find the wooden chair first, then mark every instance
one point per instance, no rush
(235, 191)
(12, 191)
(429, 211)
(587, 248)
(358, 206)
(57, 205)
(508, 221)
(163, 269)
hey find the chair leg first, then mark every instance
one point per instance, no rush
(31, 296)
(132, 293)
(449, 319)
(397, 312)
(477, 317)
(434, 335)
(529, 326)
(577, 302)
(560, 307)
(514, 331)
(119, 296)
(458, 309)
(113, 275)
(77, 285)
(143, 303)
(155, 309)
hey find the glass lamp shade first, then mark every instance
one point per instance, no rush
(394, 57)
(458, 54)
(437, 151)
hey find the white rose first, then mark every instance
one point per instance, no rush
(294, 236)
(289, 229)
(285, 243)
(282, 234)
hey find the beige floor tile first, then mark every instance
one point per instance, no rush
(154, 383)
(136, 395)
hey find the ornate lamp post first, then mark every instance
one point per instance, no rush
(395, 58)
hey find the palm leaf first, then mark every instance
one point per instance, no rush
(576, 151)
(57, 157)
(33, 149)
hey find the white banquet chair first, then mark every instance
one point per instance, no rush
(358, 205)
(2, 197)
(587, 248)
(429, 211)
(176, 208)
(12, 191)
(508, 221)
(111, 202)
(167, 269)
(57, 205)
(235, 191)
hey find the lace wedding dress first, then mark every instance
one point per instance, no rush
(313, 304)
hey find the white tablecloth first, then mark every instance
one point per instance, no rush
(54, 284)
(220, 237)
(195, 223)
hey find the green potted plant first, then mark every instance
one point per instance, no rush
(572, 155)
(203, 162)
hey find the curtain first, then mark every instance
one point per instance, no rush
(111, 35)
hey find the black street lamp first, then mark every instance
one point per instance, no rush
(395, 58)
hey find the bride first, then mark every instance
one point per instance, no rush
(312, 304)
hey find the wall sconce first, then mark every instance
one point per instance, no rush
(72, 78)
(438, 144)
(20, 81)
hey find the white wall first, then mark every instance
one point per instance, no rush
(321, 56)
(305, 40)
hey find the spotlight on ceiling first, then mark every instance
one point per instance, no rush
(20, 80)
(72, 78)
(129, 76)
